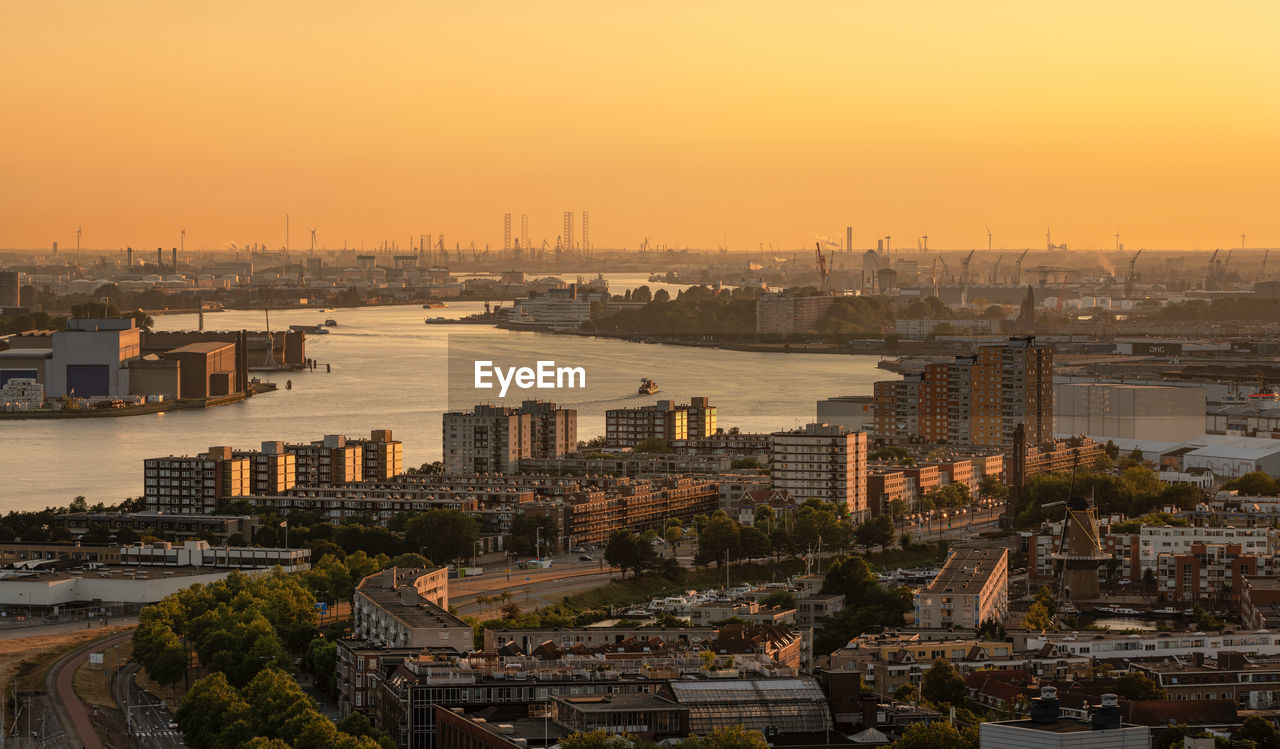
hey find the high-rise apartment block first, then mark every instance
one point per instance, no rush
(824, 462)
(10, 289)
(979, 399)
(195, 485)
(493, 439)
(664, 420)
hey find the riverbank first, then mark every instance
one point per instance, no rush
(140, 409)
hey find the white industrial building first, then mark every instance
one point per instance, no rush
(1226, 456)
(1106, 411)
(857, 413)
(89, 358)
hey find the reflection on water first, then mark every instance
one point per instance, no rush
(389, 371)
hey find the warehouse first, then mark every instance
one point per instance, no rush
(1122, 411)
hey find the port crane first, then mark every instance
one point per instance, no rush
(995, 269)
(1017, 268)
(824, 272)
(964, 267)
(1128, 281)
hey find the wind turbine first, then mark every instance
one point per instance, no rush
(988, 239)
(313, 240)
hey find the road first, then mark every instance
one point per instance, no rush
(150, 722)
(72, 715)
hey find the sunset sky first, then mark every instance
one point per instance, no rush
(687, 122)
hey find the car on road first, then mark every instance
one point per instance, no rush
(173, 725)
(585, 558)
(578, 550)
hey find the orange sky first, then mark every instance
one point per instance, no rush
(681, 121)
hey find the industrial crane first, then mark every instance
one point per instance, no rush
(1262, 276)
(964, 267)
(1128, 281)
(823, 271)
(475, 256)
(995, 269)
(1017, 268)
(1212, 279)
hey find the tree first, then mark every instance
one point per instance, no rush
(878, 531)
(526, 529)
(1255, 484)
(941, 684)
(208, 709)
(728, 737)
(412, 560)
(442, 535)
(905, 693)
(718, 541)
(1259, 731)
(662, 295)
(936, 735)
(783, 598)
(1044, 597)
(755, 544)
(991, 487)
(654, 445)
(1135, 685)
(627, 551)
(1038, 617)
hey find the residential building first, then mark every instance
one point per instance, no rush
(591, 515)
(665, 420)
(1209, 574)
(784, 313)
(181, 526)
(977, 399)
(202, 484)
(825, 462)
(408, 608)
(1048, 729)
(493, 439)
(972, 588)
(10, 289)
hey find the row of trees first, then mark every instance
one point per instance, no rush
(1134, 492)
(269, 712)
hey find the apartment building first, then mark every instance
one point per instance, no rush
(665, 420)
(973, 587)
(825, 462)
(638, 505)
(202, 484)
(784, 313)
(493, 439)
(408, 608)
(979, 399)
(1212, 574)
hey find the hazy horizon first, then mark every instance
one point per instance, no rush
(693, 125)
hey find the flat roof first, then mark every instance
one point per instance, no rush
(27, 353)
(204, 347)
(1057, 726)
(967, 571)
(610, 702)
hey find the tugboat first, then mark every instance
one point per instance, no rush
(647, 386)
(331, 323)
(434, 305)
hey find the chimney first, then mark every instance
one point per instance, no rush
(1045, 708)
(1107, 715)
(868, 703)
(409, 596)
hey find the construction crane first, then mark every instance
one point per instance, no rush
(824, 272)
(1211, 279)
(313, 240)
(946, 269)
(995, 269)
(475, 256)
(1017, 268)
(964, 267)
(1128, 281)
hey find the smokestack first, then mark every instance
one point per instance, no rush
(129, 258)
(159, 257)
(848, 239)
(175, 259)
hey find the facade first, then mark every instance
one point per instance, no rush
(784, 313)
(972, 588)
(10, 289)
(408, 608)
(637, 505)
(1109, 411)
(857, 413)
(823, 461)
(978, 399)
(202, 484)
(205, 369)
(665, 420)
(220, 527)
(493, 439)
(1209, 573)
(90, 358)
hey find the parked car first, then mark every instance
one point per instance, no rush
(585, 558)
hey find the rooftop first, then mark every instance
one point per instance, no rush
(968, 570)
(201, 348)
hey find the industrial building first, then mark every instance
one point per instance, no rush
(1122, 411)
(857, 413)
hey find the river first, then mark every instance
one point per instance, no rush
(389, 371)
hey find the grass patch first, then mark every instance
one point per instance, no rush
(28, 659)
(93, 683)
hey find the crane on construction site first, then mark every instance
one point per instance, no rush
(964, 267)
(1128, 281)
(824, 272)
(1017, 268)
(946, 269)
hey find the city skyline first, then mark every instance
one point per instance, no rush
(690, 127)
